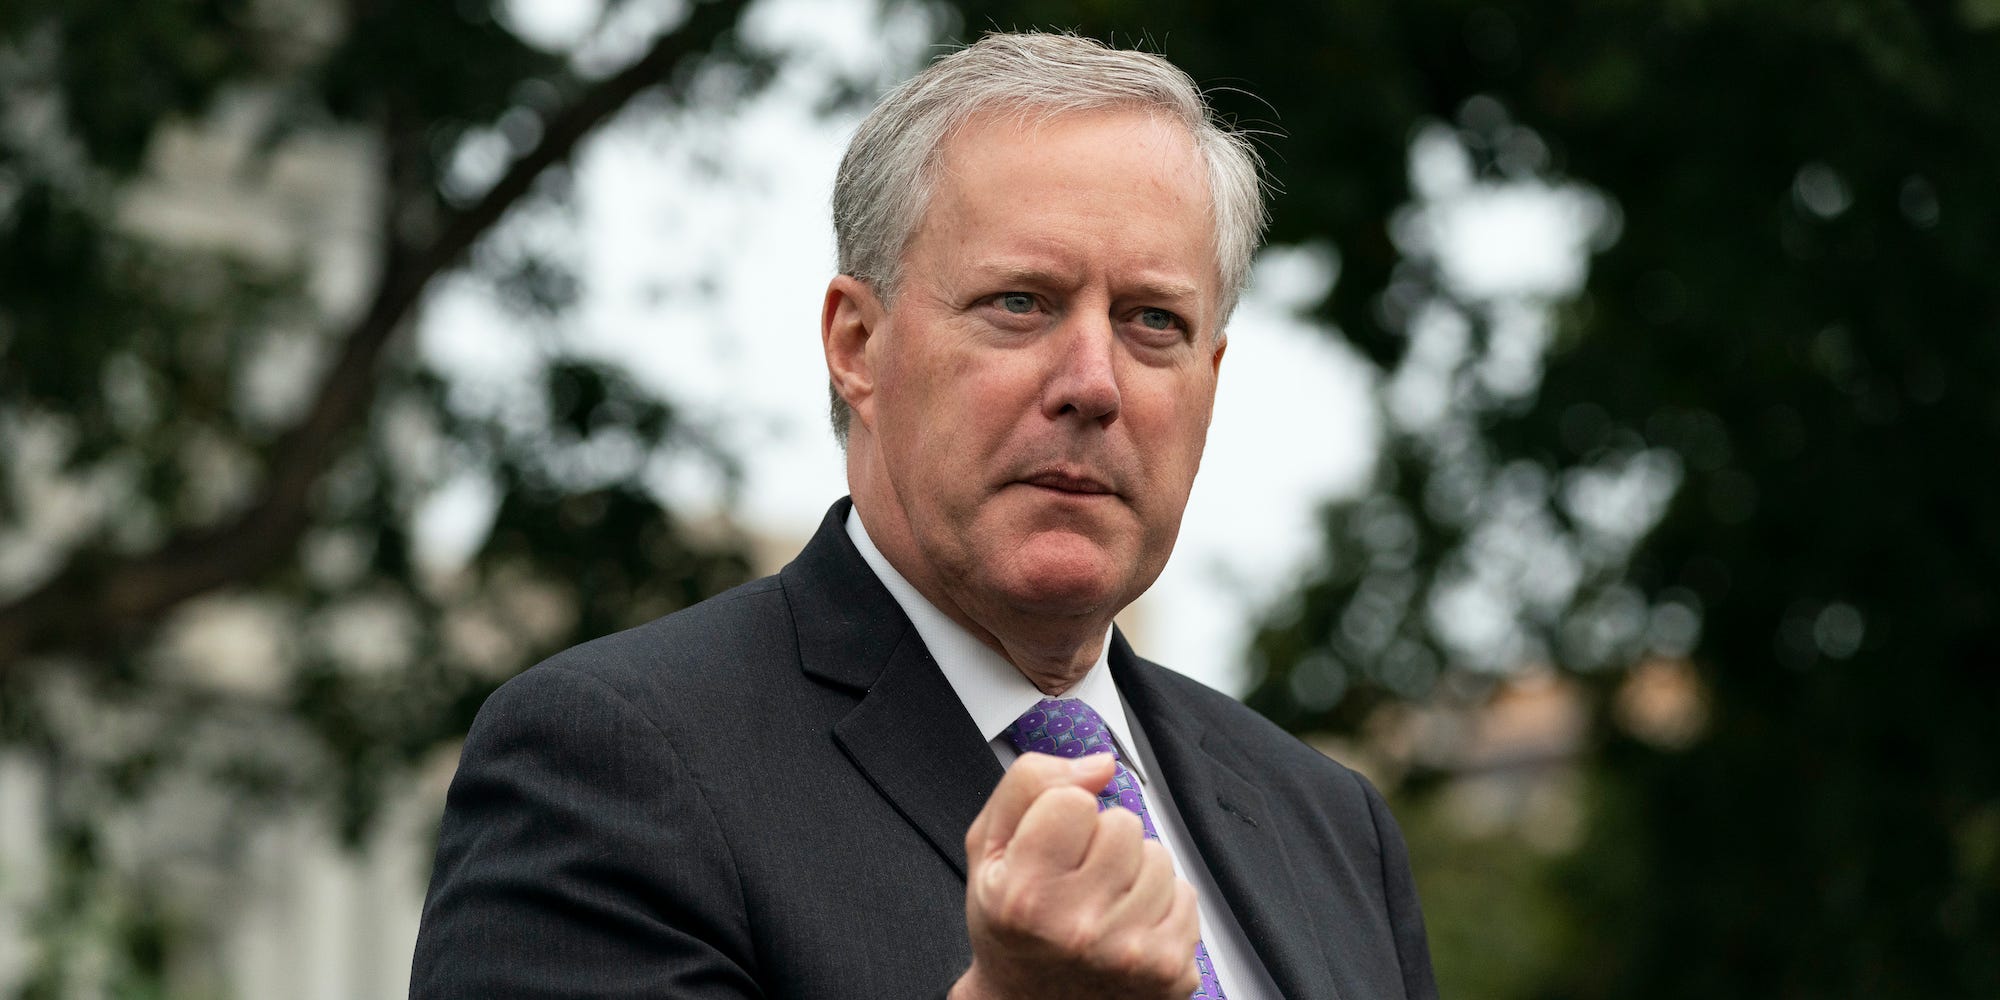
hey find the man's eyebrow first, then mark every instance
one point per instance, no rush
(1040, 276)
(1175, 291)
(1031, 275)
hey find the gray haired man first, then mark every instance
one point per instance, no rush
(920, 761)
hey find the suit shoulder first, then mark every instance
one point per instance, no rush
(714, 646)
(1267, 747)
(750, 616)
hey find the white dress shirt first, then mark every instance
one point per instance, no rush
(995, 694)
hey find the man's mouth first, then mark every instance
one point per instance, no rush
(1068, 482)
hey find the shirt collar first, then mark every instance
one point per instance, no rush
(993, 691)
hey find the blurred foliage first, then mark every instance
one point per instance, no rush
(1760, 439)
(211, 455)
(1756, 440)
(1491, 904)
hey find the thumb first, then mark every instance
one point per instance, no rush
(1093, 772)
(1032, 775)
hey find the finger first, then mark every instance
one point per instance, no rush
(1183, 919)
(1093, 772)
(1182, 927)
(1030, 776)
(1173, 940)
(1054, 835)
(1116, 849)
(1151, 896)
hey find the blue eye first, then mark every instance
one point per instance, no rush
(1158, 319)
(1017, 302)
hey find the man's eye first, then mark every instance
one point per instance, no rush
(1019, 303)
(1158, 319)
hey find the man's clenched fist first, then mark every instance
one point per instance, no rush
(1064, 901)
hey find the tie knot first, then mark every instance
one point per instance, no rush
(1066, 727)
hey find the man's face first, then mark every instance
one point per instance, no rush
(1044, 377)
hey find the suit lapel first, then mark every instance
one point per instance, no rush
(1232, 828)
(914, 741)
(909, 734)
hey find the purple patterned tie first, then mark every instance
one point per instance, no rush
(1067, 727)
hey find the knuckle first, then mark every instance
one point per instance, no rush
(1017, 907)
(1154, 862)
(1133, 957)
(1121, 823)
(1074, 937)
(1140, 958)
(1070, 798)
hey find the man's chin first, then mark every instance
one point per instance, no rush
(1064, 575)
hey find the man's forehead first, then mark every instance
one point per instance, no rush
(976, 195)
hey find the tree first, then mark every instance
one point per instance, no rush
(1758, 446)
(155, 475)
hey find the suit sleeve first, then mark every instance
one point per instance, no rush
(1399, 888)
(578, 859)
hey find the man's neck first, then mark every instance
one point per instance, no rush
(1052, 652)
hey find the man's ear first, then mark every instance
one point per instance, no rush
(1215, 375)
(849, 316)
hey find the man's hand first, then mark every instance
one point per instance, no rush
(1064, 901)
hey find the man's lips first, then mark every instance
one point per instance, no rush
(1068, 482)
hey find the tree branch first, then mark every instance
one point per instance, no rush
(94, 598)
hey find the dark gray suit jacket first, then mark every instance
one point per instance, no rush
(766, 795)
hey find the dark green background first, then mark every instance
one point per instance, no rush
(1799, 313)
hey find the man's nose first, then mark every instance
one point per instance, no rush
(1084, 382)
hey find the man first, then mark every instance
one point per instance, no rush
(827, 783)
